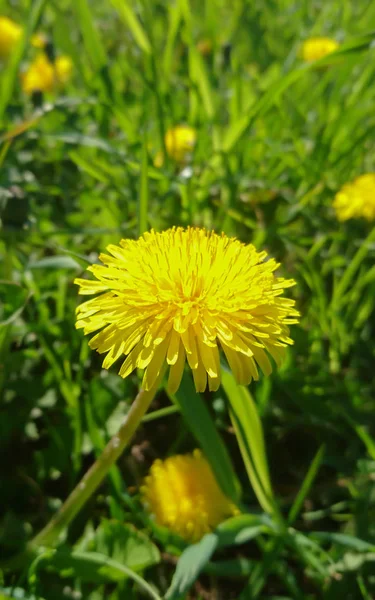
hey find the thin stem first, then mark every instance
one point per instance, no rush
(353, 267)
(49, 536)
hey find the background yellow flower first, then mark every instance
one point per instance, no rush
(45, 76)
(183, 295)
(180, 142)
(182, 494)
(318, 47)
(10, 33)
(356, 199)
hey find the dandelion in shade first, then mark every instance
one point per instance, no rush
(181, 493)
(184, 295)
(356, 199)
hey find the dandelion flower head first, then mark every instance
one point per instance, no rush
(356, 199)
(318, 47)
(180, 142)
(182, 494)
(183, 294)
(46, 76)
(10, 33)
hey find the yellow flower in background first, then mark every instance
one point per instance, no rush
(45, 76)
(318, 47)
(39, 40)
(184, 294)
(182, 494)
(356, 199)
(10, 34)
(179, 144)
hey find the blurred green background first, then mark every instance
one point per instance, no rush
(275, 140)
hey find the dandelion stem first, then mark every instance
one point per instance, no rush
(49, 536)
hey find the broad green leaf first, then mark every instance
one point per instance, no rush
(199, 421)
(92, 567)
(123, 543)
(190, 565)
(242, 528)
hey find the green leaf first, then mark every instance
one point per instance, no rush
(125, 544)
(88, 566)
(91, 38)
(14, 299)
(239, 127)
(249, 433)
(199, 78)
(55, 262)
(16, 593)
(190, 564)
(306, 485)
(199, 421)
(130, 19)
(242, 528)
(349, 541)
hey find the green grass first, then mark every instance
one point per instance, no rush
(76, 174)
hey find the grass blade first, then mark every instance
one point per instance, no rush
(250, 439)
(130, 19)
(199, 421)
(306, 485)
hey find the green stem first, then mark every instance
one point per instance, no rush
(353, 267)
(49, 536)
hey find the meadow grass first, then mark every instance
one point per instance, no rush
(276, 139)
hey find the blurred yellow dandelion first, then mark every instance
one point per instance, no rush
(182, 494)
(185, 294)
(10, 33)
(356, 199)
(46, 76)
(180, 142)
(318, 47)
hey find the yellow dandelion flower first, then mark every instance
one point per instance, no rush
(45, 76)
(318, 47)
(356, 199)
(180, 142)
(182, 494)
(10, 34)
(39, 40)
(185, 294)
